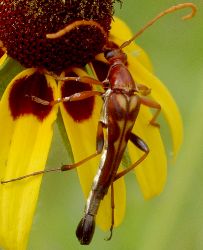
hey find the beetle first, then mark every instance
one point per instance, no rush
(122, 98)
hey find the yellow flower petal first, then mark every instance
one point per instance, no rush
(120, 33)
(2, 60)
(82, 136)
(24, 146)
(151, 173)
(161, 94)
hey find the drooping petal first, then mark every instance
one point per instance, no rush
(25, 132)
(80, 119)
(152, 172)
(161, 94)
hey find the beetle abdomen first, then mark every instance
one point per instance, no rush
(85, 229)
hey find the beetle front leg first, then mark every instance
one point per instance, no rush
(152, 104)
(83, 79)
(75, 97)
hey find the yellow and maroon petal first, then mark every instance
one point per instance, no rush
(26, 133)
(80, 119)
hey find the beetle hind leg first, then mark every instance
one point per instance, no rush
(112, 213)
(138, 142)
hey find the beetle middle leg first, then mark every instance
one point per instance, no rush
(99, 148)
(75, 97)
(143, 89)
(152, 104)
(138, 142)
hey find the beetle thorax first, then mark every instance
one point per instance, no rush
(120, 77)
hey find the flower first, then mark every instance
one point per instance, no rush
(26, 126)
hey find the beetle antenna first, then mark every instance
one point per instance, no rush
(74, 25)
(167, 11)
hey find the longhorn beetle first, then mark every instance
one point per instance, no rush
(119, 112)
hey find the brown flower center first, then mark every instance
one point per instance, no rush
(25, 23)
(20, 101)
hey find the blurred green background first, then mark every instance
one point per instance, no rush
(174, 220)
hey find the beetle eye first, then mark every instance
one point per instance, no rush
(109, 54)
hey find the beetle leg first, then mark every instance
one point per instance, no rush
(152, 104)
(83, 79)
(143, 89)
(99, 148)
(75, 25)
(112, 212)
(75, 97)
(138, 142)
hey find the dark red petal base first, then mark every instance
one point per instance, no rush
(20, 101)
(101, 69)
(78, 110)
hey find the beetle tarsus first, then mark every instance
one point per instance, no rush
(110, 235)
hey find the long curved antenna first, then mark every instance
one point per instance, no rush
(167, 11)
(74, 25)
